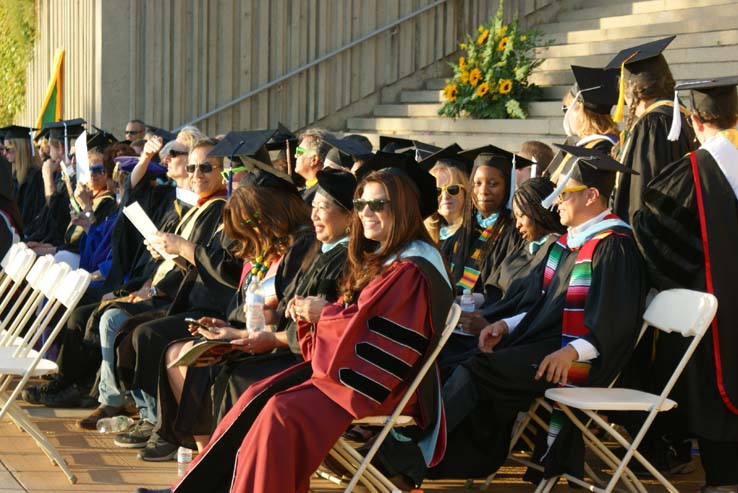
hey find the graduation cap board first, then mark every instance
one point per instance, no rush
(636, 59)
(414, 148)
(18, 132)
(707, 96)
(402, 164)
(596, 88)
(281, 139)
(448, 154)
(591, 168)
(344, 150)
(166, 136)
(100, 139)
(63, 130)
(249, 147)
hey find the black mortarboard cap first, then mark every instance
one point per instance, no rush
(55, 130)
(424, 182)
(418, 150)
(387, 143)
(640, 53)
(597, 88)
(248, 146)
(16, 132)
(100, 139)
(279, 138)
(263, 175)
(339, 185)
(712, 96)
(594, 169)
(344, 150)
(449, 155)
(165, 135)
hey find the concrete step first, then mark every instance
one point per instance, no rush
(701, 55)
(535, 109)
(550, 93)
(512, 142)
(573, 23)
(682, 41)
(458, 126)
(628, 8)
(724, 21)
(680, 71)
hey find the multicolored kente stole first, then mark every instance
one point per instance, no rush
(473, 267)
(573, 320)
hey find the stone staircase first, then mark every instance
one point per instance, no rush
(706, 46)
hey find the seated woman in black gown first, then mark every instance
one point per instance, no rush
(185, 413)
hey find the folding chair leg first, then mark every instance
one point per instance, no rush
(21, 419)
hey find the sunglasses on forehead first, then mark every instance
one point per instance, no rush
(203, 167)
(374, 205)
(449, 189)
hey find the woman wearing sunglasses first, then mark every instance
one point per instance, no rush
(452, 184)
(281, 428)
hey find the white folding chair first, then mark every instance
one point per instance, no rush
(12, 251)
(27, 302)
(352, 460)
(677, 310)
(14, 271)
(25, 362)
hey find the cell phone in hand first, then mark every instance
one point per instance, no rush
(197, 324)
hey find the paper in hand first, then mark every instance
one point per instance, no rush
(80, 155)
(145, 226)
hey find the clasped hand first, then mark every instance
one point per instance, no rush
(306, 309)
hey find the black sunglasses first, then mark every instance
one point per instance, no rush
(449, 189)
(128, 132)
(178, 153)
(203, 167)
(374, 205)
(97, 170)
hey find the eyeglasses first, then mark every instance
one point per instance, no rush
(566, 193)
(227, 172)
(130, 132)
(450, 189)
(376, 205)
(97, 170)
(9, 147)
(175, 153)
(301, 150)
(203, 167)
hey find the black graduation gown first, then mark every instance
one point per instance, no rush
(103, 206)
(493, 253)
(51, 223)
(647, 151)
(6, 238)
(308, 194)
(31, 200)
(503, 380)
(667, 229)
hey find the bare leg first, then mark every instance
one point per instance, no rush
(177, 374)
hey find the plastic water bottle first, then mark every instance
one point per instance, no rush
(116, 424)
(184, 457)
(467, 301)
(255, 307)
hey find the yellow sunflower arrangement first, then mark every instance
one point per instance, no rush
(450, 92)
(490, 79)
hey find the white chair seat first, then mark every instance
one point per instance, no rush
(402, 421)
(607, 399)
(18, 366)
(7, 351)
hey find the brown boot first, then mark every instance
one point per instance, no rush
(90, 422)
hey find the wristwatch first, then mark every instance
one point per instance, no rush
(153, 292)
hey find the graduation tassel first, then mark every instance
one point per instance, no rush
(548, 202)
(30, 137)
(620, 108)
(676, 120)
(512, 184)
(66, 144)
(534, 168)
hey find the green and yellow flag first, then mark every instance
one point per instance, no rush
(51, 109)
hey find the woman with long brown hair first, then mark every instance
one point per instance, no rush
(27, 179)
(284, 426)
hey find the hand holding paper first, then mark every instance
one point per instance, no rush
(146, 227)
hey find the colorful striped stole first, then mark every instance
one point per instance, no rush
(473, 268)
(572, 327)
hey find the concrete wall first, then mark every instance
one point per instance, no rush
(170, 61)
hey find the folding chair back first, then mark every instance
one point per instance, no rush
(682, 310)
(16, 271)
(12, 251)
(452, 320)
(27, 301)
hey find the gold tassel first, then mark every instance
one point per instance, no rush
(620, 109)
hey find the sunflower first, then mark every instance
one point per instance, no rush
(483, 36)
(482, 89)
(464, 79)
(474, 77)
(450, 92)
(505, 86)
(502, 44)
(462, 63)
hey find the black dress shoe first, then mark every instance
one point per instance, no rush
(147, 490)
